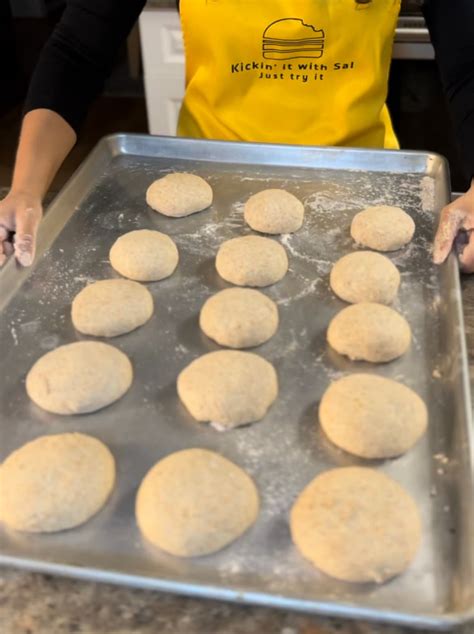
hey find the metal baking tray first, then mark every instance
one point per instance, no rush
(105, 198)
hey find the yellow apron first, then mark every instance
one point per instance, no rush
(310, 72)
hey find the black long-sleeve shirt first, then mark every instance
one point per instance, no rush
(80, 53)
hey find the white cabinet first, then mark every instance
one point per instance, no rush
(163, 68)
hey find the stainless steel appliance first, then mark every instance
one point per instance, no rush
(412, 40)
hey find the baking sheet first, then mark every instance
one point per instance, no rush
(286, 450)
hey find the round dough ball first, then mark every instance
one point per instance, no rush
(356, 524)
(111, 307)
(179, 194)
(371, 416)
(251, 261)
(79, 378)
(228, 387)
(195, 502)
(144, 255)
(365, 276)
(382, 228)
(239, 318)
(55, 482)
(274, 211)
(369, 332)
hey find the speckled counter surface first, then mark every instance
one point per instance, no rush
(42, 604)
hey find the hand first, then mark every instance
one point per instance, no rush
(456, 228)
(20, 215)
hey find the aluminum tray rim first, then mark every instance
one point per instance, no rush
(334, 609)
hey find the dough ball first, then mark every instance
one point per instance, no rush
(55, 482)
(365, 276)
(372, 417)
(144, 255)
(111, 307)
(228, 387)
(274, 211)
(251, 261)
(239, 318)
(356, 524)
(79, 378)
(179, 194)
(195, 502)
(382, 228)
(369, 332)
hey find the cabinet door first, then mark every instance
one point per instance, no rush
(163, 67)
(164, 94)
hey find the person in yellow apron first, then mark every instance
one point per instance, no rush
(289, 71)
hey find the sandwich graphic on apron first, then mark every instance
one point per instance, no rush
(291, 38)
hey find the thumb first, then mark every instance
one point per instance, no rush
(451, 222)
(27, 222)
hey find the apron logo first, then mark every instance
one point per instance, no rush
(291, 38)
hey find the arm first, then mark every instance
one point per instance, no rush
(47, 135)
(70, 73)
(451, 26)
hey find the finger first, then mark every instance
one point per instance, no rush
(8, 247)
(27, 222)
(3, 242)
(451, 222)
(466, 258)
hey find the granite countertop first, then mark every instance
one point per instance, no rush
(32, 603)
(42, 604)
